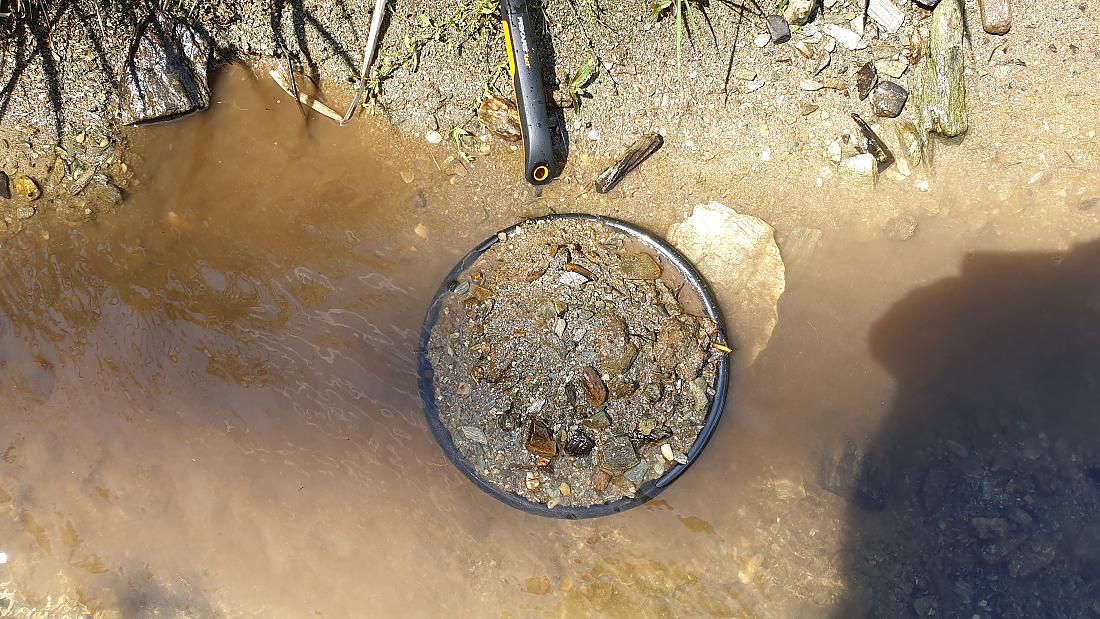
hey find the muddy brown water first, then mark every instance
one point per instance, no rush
(210, 397)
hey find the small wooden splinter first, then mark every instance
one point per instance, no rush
(290, 89)
(641, 149)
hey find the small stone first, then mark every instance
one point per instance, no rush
(912, 146)
(433, 137)
(5, 190)
(599, 420)
(861, 169)
(639, 266)
(539, 440)
(600, 479)
(407, 176)
(743, 74)
(510, 421)
(888, 99)
(926, 4)
(799, 12)
(822, 63)
(892, 68)
(810, 85)
(619, 388)
(564, 489)
(647, 426)
(866, 78)
(805, 109)
(579, 443)
(26, 188)
(25, 212)
(902, 227)
(666, 451)
(501, 118)
(474, 434)
(847, 38)
(532, 480)
(623, 362)
(570, 278)
(762, 39)
(636, 474)
(803, 49)
(753, 86)
(996, 16)
(595, 391)
(778, 29)
(619, 454)
(1020, 517)
(697, 389)
(886, 14)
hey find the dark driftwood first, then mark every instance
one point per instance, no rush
(642, 148)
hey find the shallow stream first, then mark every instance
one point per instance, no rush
(209, 406)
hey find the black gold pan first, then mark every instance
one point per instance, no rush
(526, 70)
(649, 489)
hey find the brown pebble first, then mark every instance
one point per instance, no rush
(600, 479)
(501, 118)
(5, 190)
(539, 441)
(595, 391)
(996, 16)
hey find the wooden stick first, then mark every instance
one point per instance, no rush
(641, 149)
(321, 108)
(368, 58)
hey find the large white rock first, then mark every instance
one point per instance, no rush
(740, 260)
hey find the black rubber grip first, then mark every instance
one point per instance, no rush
(526, 71)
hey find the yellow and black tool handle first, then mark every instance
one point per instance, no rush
(523, 62)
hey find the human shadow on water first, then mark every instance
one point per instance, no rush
(979, 496)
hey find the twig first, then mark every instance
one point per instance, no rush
(321, 108)
(293, 81)
(368, 58)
